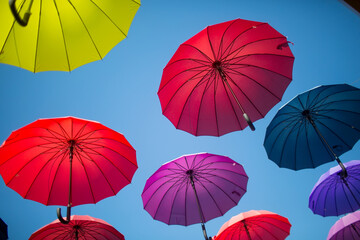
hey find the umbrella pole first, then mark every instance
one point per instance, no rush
(344, 174)
(190, 172)
(68, 214)
(247, 230)
(216, 65)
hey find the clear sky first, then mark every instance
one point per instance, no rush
(121, 92)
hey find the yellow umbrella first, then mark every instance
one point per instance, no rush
(61, 35)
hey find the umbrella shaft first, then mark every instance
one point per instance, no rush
(247, 230)
(344, 172)
(223, 77)
(71, 150)
(199, 208)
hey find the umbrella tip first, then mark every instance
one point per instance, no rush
(190, 172)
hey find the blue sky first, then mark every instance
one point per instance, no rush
(120, 92)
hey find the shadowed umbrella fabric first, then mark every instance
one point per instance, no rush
(334, 195)
(223, 72)
(63, 35)
(315, 127)
(194, 189)
(80, 227)
(346, 228)
(255, 225)
(34, 161)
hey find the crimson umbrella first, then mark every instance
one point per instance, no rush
(255, 225)
(66, 161)
(80, 227)
(224, 76)
(194, 189)
(335, 194)
(346, 228)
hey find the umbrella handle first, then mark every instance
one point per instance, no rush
(23, 22)
(249, 122)
(68, 213)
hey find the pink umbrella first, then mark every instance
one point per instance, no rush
(224, 76)
(194, 189)
(346, 228)
(80, 227)
(255, 225)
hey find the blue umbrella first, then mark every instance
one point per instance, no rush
(315, 127)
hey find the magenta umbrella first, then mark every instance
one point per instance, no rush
(194, 189)
(226, 77)
(335, 194)
(346, 228)
(79, 227)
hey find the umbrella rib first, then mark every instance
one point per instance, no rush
(89, 142)
(255, 66)
(253, 80)
(62, 34)
(236, 38)
(215, 110)
(110, 161)
(200, 69)
(182, 85)
(87, 30)
(283, 148)
(232, 106)
(48, 150)
(347, 183)
(55, 175)
(110, 18)
(85, 146)
(227, 180)
(166, 192)
(245, 45)
(187, 99)
(308, 143)
(37, 37)
(244, 94)
(176, 184)
(208, 83)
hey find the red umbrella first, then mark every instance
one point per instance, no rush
(224, 76)
(80, 227)
(66, 161)
(255, 225)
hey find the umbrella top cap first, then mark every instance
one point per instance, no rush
(216, 64)
(306, 112)
(190, 172)
(71, 142)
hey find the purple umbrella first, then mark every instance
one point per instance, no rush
(194, 189)
(346, 228)
(334, 194)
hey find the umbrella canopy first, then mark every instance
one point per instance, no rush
(333, 194)
(194, 189)
(66, 161)
(255, 225)
(315, 127)
(224, 76)
(80, 227)
(62, 35)
(346, 228)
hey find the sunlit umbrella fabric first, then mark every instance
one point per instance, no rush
(334, 195)
(346, 228)
(80, 227)
(223, 72)
(219, 181)
(315, 127)
(63, 35)
(255, 225)
(34, 161)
